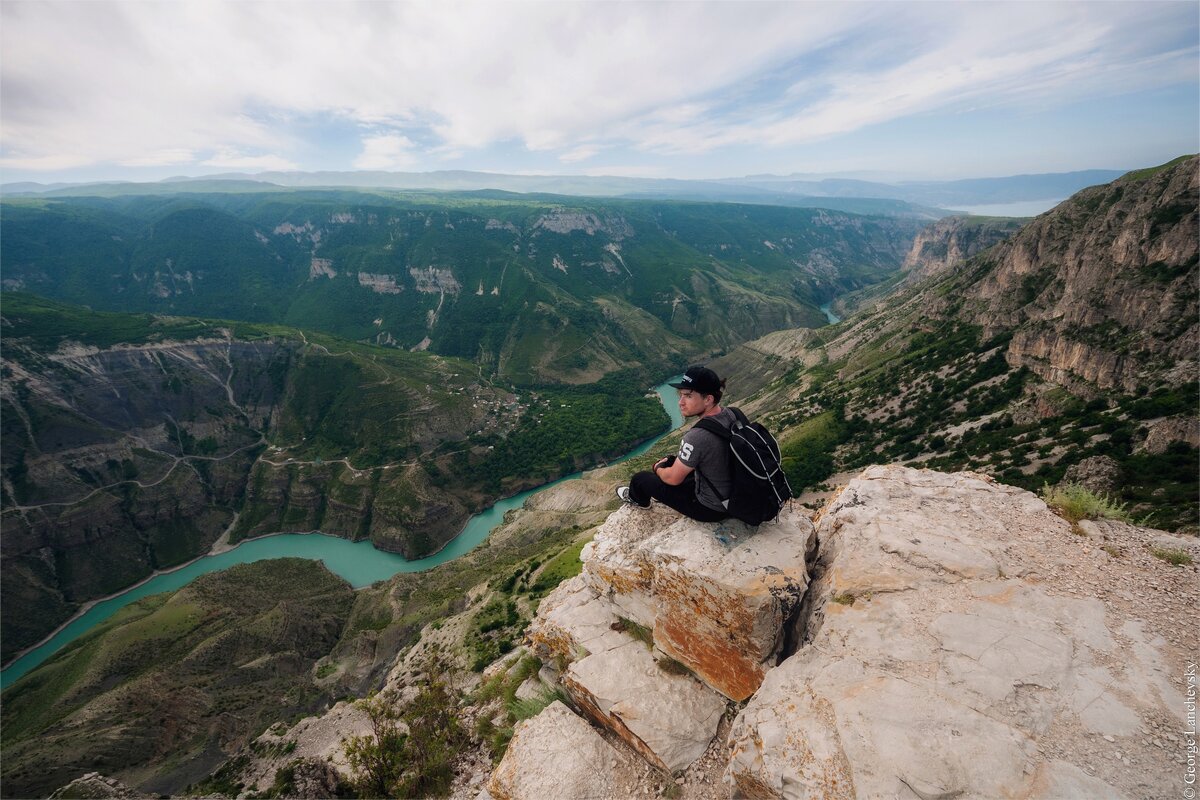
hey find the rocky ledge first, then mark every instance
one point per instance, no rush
(958, 639)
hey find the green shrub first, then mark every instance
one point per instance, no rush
(528, 708)
(1075, 502)
(389, 763)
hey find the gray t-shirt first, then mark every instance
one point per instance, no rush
(708, 454)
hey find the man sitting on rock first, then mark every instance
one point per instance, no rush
(698, 481)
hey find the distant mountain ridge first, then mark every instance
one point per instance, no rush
(909, 198)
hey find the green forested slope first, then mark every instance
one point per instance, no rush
(161, 692)
(534, 288)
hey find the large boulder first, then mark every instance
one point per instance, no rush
(667, 717)
(556, 754)
(961, 641)
(663, 713)
(716, 595)
(618, 568)
(1101, 474)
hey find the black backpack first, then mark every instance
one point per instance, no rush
(759, 486)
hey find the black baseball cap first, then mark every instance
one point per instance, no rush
(700, 379)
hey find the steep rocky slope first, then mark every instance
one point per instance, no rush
(1073, 339)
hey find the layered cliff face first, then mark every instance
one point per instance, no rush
(1103, 289)
(1075, 338)
(120, 462)
(949, 242)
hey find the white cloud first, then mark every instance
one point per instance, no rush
(581, 153)
(388, 152)
(231, 159)
(161, 158)
(43, 163)
(144, 83)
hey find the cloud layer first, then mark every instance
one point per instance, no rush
(418, 85)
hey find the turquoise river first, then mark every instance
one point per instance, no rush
(357, 562)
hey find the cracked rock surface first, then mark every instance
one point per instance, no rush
(962, 641)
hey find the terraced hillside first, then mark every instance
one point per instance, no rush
(1068, 350)
(532, 288)
(133, 442)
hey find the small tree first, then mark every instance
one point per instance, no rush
(378, 759)
(389, 762)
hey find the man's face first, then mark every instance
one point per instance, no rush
(693, 404)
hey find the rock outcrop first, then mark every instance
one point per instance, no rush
(951, 651)
(958, 639)
(1098, 473)
(557, 754)
(96, 786)
(1162, 433)
(716, 597)
(949, 242)
(669, 621)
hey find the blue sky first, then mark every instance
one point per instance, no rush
(145, 90)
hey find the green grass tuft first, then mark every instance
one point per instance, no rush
(637, 631)
(1179, 558)
(1075, 502)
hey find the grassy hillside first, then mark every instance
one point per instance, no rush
(161, 692)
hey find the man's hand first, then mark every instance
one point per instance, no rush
(671, 471)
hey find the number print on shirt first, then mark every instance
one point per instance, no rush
(685, 452)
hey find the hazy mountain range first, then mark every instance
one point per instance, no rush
(910, 198)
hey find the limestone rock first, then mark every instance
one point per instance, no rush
(723, 596)
(556, 754)
(716, 595)
(947, 243)
(617, 568)
(669, 719)
(1161, 433)
(313, 778)
(316, 739)
(1188, 544)
(95, 785)
(931, 668)
(879, 534)
(572, 622)
(1099, 473)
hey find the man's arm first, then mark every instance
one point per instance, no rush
(674, 474)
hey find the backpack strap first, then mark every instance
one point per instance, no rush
(717, 429)
(712, 426)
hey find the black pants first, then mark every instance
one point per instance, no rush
(646, 485)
